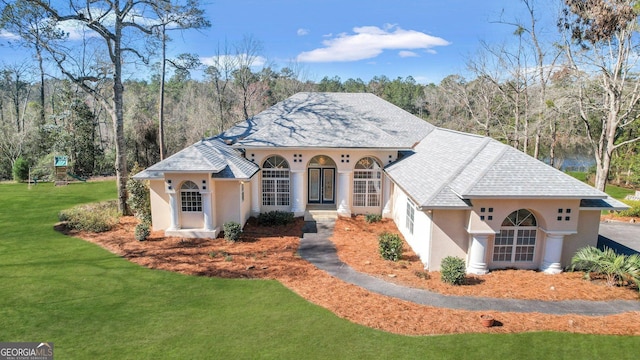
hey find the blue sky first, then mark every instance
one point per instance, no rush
(426, 39)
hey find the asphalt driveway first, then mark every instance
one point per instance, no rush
(624, 238)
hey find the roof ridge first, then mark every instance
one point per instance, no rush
(458, 171)
(486, 170)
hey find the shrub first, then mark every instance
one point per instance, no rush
(142, 232)
(634, 211)
(138, 197)
(390, 246)
(273, 218)
(617, 268)
(96, 217)
(232, 231)
(452, 270)
(372, 218)
(20, 170)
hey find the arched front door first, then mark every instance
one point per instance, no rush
(322, 180)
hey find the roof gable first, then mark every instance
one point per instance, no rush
(210, 155)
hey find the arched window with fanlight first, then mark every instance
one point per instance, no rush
(275, 181)
(190, 197)
(367, 183)
(516, 241)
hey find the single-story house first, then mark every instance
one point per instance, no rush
(449, 193)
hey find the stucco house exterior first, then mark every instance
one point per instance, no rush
(449, 193)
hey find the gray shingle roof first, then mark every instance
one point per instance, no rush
(438, 168)
(447, 168)
(331, 120)
(210, 155)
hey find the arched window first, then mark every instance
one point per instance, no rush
(516, 241)
(190, 197)
(275, 181)
(367, 182)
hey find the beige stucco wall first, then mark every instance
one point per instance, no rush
(160, 213)
(588, 227)
(345, 160)
(448, 236)
(420, 240)
(546, 212)
(227, 202)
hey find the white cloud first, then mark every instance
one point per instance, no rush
(302, 32)
(8, 35)
(368, 42)
(233, 61)
(406, 53)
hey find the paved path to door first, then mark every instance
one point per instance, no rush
(319, 250)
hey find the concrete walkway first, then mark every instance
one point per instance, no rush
(316, 248)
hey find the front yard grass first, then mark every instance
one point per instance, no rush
(93, 304)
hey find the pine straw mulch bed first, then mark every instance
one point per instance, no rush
(271, 253)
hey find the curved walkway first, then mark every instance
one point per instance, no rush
(320, 251)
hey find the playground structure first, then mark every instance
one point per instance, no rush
(60, 164)
(61, 173)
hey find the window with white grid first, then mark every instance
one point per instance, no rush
(516, 241)
(275, 181)
(367, 183)
(411, 210)
(190, 197)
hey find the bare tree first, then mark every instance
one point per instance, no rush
(599, 35)
(119, 28)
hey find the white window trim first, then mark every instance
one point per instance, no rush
(190, 198)
(410, 216)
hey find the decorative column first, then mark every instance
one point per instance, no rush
(386, 197)
(551, 263)
(297, 192)
(255, 195)
(206, 210)
(173, 210)
(477, 253)
(344, 187)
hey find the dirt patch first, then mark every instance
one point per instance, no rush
(271, 253)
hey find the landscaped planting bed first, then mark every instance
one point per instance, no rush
(271, 253)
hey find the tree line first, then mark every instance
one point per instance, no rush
(550, 94)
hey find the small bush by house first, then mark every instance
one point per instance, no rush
(273, 218)
(452, 270)
(232, 231)
(96, 217)
(390, 246)
(142, 232)
(372, 218)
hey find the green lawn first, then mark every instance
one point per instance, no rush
(93, 304)
(615, 192)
